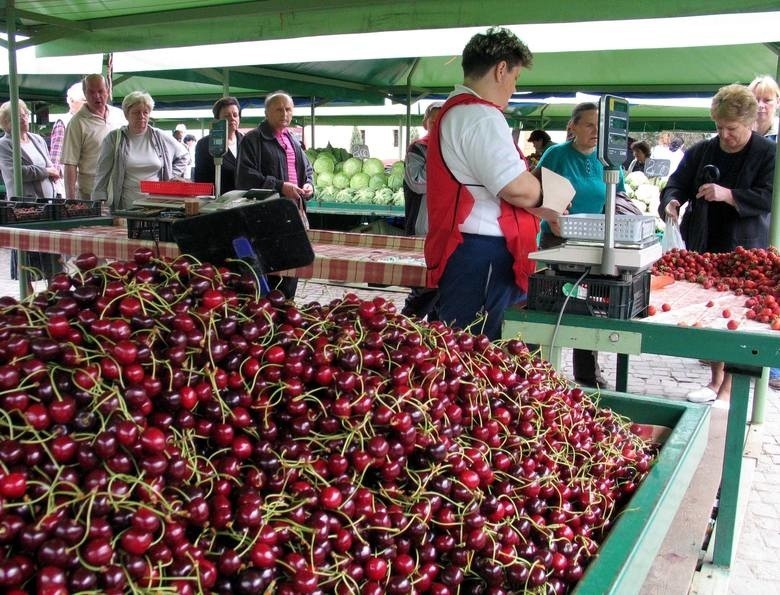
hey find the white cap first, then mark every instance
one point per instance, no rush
(181, 127)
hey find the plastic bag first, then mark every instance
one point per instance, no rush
(672, 237)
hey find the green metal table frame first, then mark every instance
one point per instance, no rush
(745, 354)
(23, 269)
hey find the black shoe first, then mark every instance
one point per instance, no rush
(598, 382)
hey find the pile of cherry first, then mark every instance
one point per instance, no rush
(752, 272)
(164, 428)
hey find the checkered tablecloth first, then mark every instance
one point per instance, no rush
(343, 257)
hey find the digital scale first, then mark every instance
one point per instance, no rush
(608, 244)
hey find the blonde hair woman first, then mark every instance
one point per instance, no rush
(135, 153)
(767, 94)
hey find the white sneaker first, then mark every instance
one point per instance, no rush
(702, 395)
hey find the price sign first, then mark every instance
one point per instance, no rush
(360, 151)
(657, 168)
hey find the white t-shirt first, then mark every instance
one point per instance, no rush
(477, 146)
(143, 163)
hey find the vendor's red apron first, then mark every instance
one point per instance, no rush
(450, 202)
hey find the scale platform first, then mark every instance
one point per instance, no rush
(578, 256)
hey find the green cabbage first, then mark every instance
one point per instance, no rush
(352, 166)
(397, 167)
(364, 195)
(339, 167)
(383, 196)
(373, 166)
(323, 179)
(326, 193)
(311, 154)
(377, 181)
(340, 181)
(398, 197)
(324, 163)
(395, 180)
(359, 180)
(345, 195)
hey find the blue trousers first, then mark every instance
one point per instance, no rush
(478, 285)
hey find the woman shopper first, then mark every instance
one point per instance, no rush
(135, 153)
(39, 178)
(225, 108)
(576, 160)
(727, 183)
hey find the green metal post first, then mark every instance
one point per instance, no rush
(762, 382)
(732, 469)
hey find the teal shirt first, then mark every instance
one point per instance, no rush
(586, 174)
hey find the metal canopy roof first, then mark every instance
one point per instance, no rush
(71, 27)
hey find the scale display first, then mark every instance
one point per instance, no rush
(613, 131)
(218, 138)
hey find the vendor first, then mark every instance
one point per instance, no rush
(727, 183)
(225, 108)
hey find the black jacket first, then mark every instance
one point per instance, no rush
(262, 162)
(204, 165)
(752, 193)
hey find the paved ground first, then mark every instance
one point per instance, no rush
(756, 570)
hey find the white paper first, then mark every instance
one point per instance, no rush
(557, 196)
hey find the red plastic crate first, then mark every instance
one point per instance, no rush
(175, 188)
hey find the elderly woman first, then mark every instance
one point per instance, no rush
(576, 160)
(226, 108)
(727, 183)
(641, 151)
(39, 176)
(135, 153)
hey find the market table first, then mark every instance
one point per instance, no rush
(689, 329)
(339, 256)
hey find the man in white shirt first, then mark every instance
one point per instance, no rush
(84, 134)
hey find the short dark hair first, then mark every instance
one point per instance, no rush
(641, 145)
(224, 102)
(188, 138)
(485, 50)
(539, 135)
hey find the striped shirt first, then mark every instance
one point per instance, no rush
(292, 172)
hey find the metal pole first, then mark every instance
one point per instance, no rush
(13, 93)
(408, 108)
(226, 82)
(762, 382)
(608, 267)
(312, 123)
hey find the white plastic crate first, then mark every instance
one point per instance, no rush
(628, 228)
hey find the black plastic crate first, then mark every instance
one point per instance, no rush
(149, 224)
(608, 297)
(75, 209)
(15, 211)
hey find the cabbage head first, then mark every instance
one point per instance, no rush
(359, 180)
(345, 195)
(339, 167)
(383, 196)
(352, 166)
(340, 181)
(364, 195)
(311, 155)
(324, 163)
(395, 180)
(398, 197)
(323, 179)
(377, 181)
(397, 167)
(326, 193)
(373, 166)
(635, 179)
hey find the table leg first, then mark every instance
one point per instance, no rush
(732, 468)
(621, 382)
(759, 397)
(22, 269)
